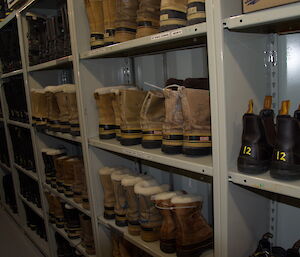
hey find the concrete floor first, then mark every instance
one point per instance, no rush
(13, 242)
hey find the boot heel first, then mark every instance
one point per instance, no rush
(151, 144)
(196, 151)
(252, 167)
(130, 141)
(168, 246)
(121, 221)
(134, 230)
(171, 149)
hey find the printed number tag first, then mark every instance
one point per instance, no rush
(247, 150)
(281, 156)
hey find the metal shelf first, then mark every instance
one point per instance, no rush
(37, 241)
(65, 136)
(7, 19)
(14, 216)
(73, 242)
(152, 248)
(18, 123)
(29, 173)
(68, 200)
(4, 166)
(265, 20)
(54, 64)
(149, 44)
(267, 183)
(200, 165)
(36, 209)
(12, 73)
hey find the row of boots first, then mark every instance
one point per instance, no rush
(66, 174)
(49, 38)
(4, 157)
(154, 213)
(176, 118)
(115, 21)
(269, 146)
(16, 99)
(76, 224)
(22, 147)
(64, 249)
(4, 10)
(9, 192)
(266, 249)
(55, 108)
(29, 189)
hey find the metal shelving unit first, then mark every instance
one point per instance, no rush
(36, 209)
(12, 73)
(54, 64)
(37, 241)
(18, 123)
(29, 173)
(65, 136)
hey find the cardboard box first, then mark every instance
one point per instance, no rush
(255, 5)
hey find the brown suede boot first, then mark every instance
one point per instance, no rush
(168, 227)
(121, 204)
(59, 168)
(73, 118)
(172, 14)
(53, 110)
(109, 11)
(39, 108)
(79, 177)
(173, 124)
(94, 9)
(58, 212)
(51, 207)
(148, 18)
(150, 218)
(197, 128)
(152, 116)
(108, 191)
(196, 12)
(61, 99)
(104, 99)
(87, 235)
(193, 235)
(69, 178)
(130, 105)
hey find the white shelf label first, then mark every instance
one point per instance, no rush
(176, 33)
(137, 154)
(160, 36)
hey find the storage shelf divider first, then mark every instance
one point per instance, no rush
(36, 209)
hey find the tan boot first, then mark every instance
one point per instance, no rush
(148, 18)
(168, 227)
(69, 175)
(130, 105)
(51, 207)
(125, 20)
(197, 125)
(70, 90)
(59, 168)
(88, 238)
(173, 124)
(121, 202)
(193, 235)
(152, 116)
(150, 218)
(79, 177)
(53, 110)
(109, 11)
(172, 14)
(196, 12)
(108, 191)
(39, 108)
(61, 99)
(94, 9)
(104, 100)
(58, 212)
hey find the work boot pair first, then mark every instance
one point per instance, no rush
(87, 238)
(55, 210)
(175, 14)
(184, 230)
(264, 147)
(187, 125)
(265, 249)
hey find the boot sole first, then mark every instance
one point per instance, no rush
(168, 246)
(196, 151)
(110, 136)
(171, 149)
(134, 230)
(151, 144)
(252, 167)
(285, 171)
(131, 141)
(194, 250)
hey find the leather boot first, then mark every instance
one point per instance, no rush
(94, 9)
(168, 227)
(173, 124)
(132, 214)
(59, 168)
(53, 110)
(72, 226)
(121, 204)
(148, 18)
(294, 252)
(88, 238)
(193, 234)
(39, 108)
(79, 177)
(125, 20)
(69, 167)
(109, 11)
(51, 207)
(197, 126)
(286, 155)
(150, 218)
(70, 90)
(108, 191)
(130, 105)
(172, 14)
(61, 99)
(196, 12)
(152, 116)
(104, 99)
(58, 212)
(255, 154)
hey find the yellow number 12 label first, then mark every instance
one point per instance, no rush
(247, 150)
(281, 156)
